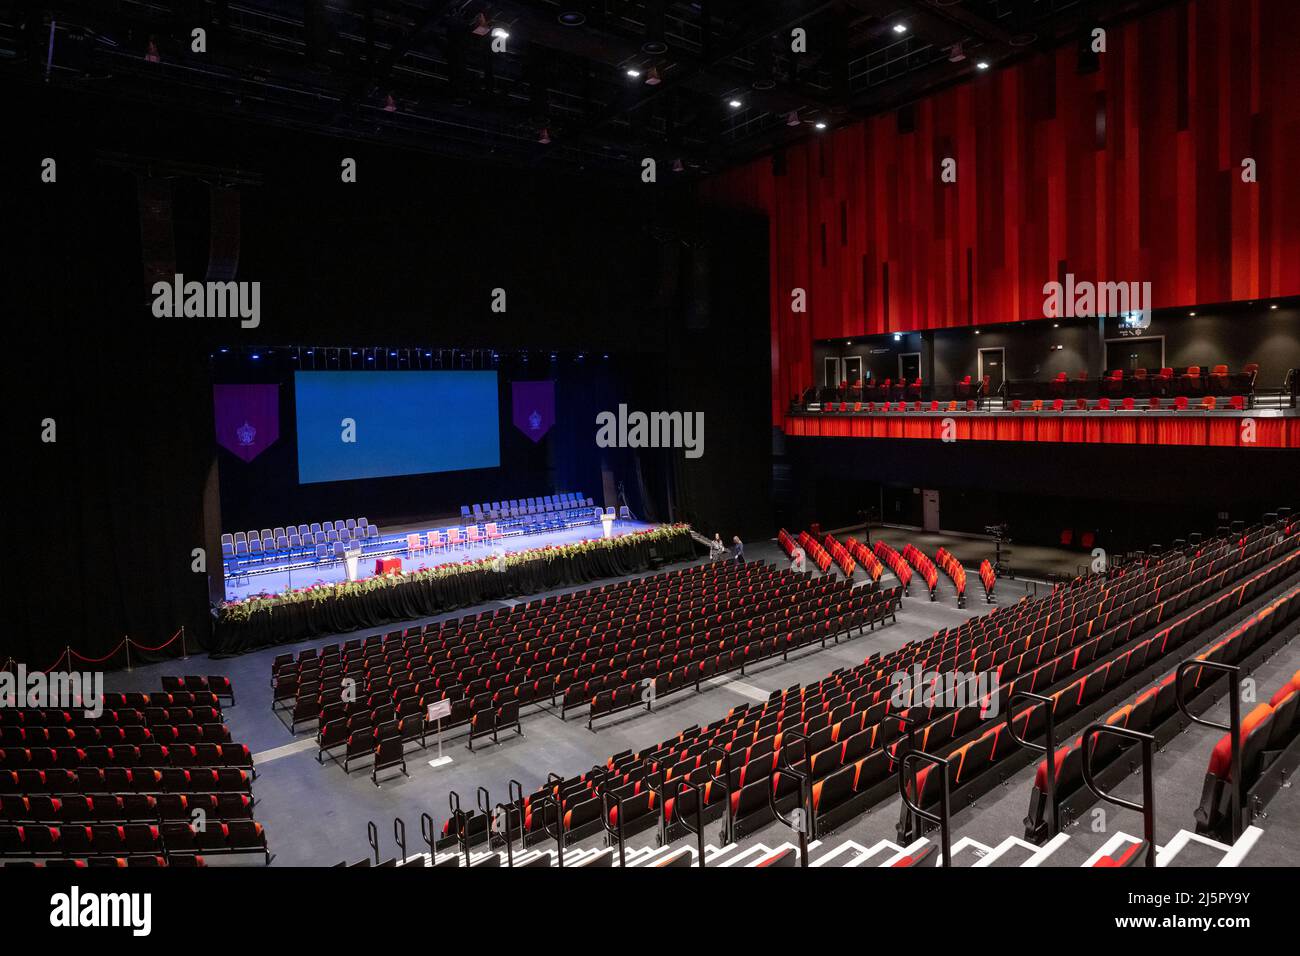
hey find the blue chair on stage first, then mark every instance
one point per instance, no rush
(295, 544)
(322, 553)
(315, 527)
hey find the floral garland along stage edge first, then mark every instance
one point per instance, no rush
(318, 593)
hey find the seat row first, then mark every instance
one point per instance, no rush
(1151, 708)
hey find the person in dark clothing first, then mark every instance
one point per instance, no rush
(737, 548)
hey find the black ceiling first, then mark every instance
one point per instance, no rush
(418, 74)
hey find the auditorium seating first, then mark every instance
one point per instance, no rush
(281, 543)
(1090, 660)
(812, 547)
(843, 733)
(896, 563)
(1148, 710)
(1268, 732)
(156, 777)
(869, 562)
(924, 567)
(1082, 391)
(989, 578)
(531, 513)
(956, 573)
(637, 790)
(588, 649)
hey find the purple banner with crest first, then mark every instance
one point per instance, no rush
(247, 418)
(534, 408)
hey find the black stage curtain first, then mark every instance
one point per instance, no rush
(102, 522)
(413, 599)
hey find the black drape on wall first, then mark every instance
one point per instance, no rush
(103, 520)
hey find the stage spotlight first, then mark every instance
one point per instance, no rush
(898, 336)
(820, 124)
(1273, 306)
(734, 104)
(633, 72)
(982, 65)
(900, 27)
(1193, 314)
(571, 18)
(977, 331)
(501, 33)
(255, 356)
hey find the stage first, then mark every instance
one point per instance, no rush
(275, 578)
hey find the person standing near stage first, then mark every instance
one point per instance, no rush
(737, 548)
(716, 548)
(797, 560)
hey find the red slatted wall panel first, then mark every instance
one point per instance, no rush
(1036, 196)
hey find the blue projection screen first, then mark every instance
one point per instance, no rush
(407, 423)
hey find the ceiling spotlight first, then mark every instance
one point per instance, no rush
(900, 27)
(633, 72)
(734, 104)
(1193, 314)
(481, 26)
(501, 33)
(977, 331)
(898, 336)
(652, 77)
(982, 65)
(544, 137)
(792, 118)
(956, 54)
(390, 104)
(572, 18)
(1273, 306)
(820, 124)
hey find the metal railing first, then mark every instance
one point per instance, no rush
(1147, 806)
(942, 819)
(1047, 748)
(1232, 727)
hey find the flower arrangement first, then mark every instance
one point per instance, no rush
(314, 594)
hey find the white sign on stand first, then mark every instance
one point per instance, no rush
(607, 519)
(437, 711)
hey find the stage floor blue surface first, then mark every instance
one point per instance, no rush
(272, 579)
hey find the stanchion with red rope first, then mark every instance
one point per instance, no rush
(69, 654)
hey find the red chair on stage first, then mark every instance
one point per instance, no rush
(414, 544)
(1103, 404)
(1180, 403)
(1209, 403)
(472, 536)
(1058, 405)
(491, 531)
(1081, 404)
(454, 539)
(436, 540)
(1128, 404)
(1237, 403)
